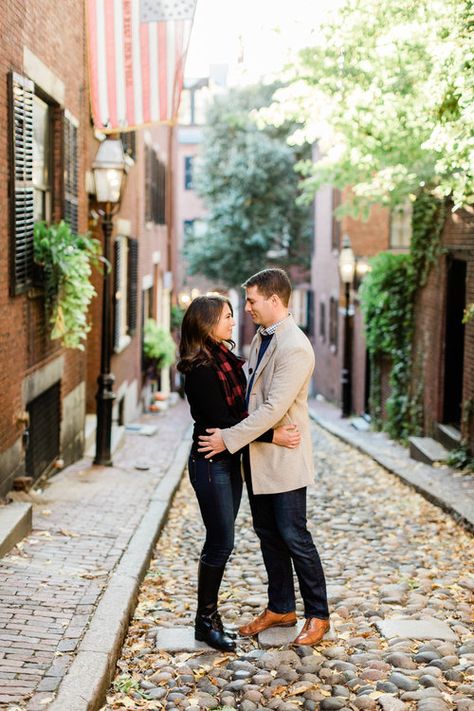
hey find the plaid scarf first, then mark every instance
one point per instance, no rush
(228, 367)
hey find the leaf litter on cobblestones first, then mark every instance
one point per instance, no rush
(393, 536)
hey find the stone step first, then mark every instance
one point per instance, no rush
(15, 524)
(448, 436)
(427, 450)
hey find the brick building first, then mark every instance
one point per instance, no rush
(142, 280)
(47, 149)
(443, 346)
(44, 127)
(380, 232)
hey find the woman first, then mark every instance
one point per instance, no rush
(215, 386)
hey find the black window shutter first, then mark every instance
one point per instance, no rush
(118, 301)
(132, 300)
(71, 178)
(21, 92)
(148, 184)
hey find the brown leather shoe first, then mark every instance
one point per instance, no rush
(313, 631)
(267, 619)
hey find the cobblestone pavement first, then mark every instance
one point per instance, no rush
(387, 553)
(51, 582)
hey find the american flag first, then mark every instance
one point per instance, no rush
(137, 50)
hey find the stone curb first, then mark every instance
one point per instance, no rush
(84, 686)
(15, 524)
(454, 508)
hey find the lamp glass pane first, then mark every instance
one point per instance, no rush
(108, 183)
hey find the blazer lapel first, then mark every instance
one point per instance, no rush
(266, 357)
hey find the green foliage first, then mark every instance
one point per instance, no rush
(388, 295)
(158, 345)
(461, 458)
(67, 260)
(125, 684)
(177, 314)
(387, 306)
(468, 313)
(247, 181)
(387, 91)
(429, 215)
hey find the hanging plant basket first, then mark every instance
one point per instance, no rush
(66, 260)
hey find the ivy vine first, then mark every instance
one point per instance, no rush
(388, 296)
(67, 260)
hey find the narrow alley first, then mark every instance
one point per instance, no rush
(387, 552)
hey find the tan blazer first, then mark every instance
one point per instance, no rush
(279, 396)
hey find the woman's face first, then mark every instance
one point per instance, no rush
(222, 331)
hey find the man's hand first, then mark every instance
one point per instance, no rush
(212, 443)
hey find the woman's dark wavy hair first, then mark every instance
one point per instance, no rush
(201, 316)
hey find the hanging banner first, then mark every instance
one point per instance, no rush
(137, 50)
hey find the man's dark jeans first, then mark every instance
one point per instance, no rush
(279, 521)
(218, 487)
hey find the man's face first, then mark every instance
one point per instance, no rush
(261, 309)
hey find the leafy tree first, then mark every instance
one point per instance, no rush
(388, 91)
(247, 180)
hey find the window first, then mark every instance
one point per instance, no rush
(125, 291)
(336, 225)
(147, 300)
(333, 323)
(188, 172)
(188, 228)
(41, 159)
(155, 188)
(400, 226)
(71, 179)
(322, 321)
(299, 307)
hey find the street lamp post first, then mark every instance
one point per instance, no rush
(346, 273)
(109, 170)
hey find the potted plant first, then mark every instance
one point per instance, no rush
(159, 349)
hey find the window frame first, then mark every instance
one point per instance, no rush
(401, 226)
(188, 172)
(333, 323)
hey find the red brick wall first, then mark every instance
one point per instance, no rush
(367, 239)
(126, 365)
(458, 239)
(54, 33)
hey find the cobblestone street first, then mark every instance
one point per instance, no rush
(387, 553)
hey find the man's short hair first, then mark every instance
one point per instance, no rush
(271, 281)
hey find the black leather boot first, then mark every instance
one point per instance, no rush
(208, 626)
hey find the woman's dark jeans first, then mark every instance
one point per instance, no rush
(218, 487)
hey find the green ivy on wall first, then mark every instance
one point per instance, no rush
(387, 305)
(388, 296)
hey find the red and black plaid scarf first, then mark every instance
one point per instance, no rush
(228, 367)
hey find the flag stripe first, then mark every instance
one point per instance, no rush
(170, 63)
(102, 65)
(136, 68)
(145, 63)
(154, 86)
(162, 74)
(120, 65)
(93, 61)
(137, 75)
(111, 61)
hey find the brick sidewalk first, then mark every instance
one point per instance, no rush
(51, 583)
(451, 490)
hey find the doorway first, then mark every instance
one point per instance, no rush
(454, 342)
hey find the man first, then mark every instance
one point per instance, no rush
(281, 362)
